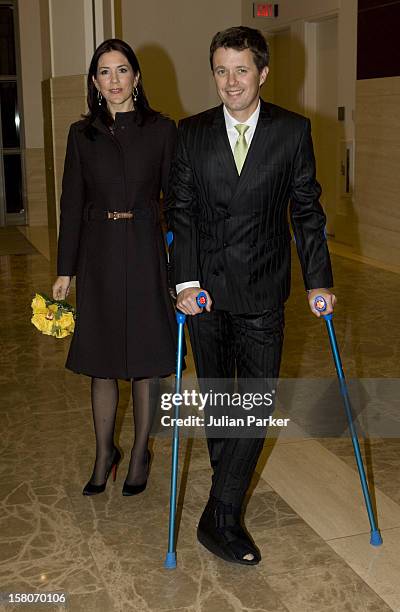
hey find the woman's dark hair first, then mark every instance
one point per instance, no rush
(240, 38)
(142, 106)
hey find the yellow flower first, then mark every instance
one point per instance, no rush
(51, 312)
(38, 304)
(51, 317)
(42, 323)
(66, 322)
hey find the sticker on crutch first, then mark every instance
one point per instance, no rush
(201, 299)
(320, 303)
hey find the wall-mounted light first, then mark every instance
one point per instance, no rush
(17, 121)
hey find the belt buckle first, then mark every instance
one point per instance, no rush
(115, 215)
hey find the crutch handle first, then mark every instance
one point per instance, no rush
(201, 300)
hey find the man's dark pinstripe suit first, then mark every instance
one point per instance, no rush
(231, 233)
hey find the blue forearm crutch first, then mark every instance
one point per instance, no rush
(320, 305)
(170, 560)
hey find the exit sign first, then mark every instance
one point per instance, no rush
(265, 10)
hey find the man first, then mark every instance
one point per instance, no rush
(237, 168)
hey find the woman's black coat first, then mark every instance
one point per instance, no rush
(125, 324)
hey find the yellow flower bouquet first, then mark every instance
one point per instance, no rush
(52, 317)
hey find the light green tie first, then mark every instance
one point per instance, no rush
(241, 146)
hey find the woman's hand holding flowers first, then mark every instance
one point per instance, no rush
(61, 287)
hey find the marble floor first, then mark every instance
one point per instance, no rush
(305, 509)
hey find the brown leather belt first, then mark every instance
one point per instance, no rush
(119, 215)
(94, 214)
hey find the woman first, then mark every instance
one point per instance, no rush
(117, 161)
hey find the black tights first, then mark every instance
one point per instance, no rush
(105, 396)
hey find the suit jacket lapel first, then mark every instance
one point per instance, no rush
(222, 147)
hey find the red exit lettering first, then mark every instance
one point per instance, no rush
(265, 10)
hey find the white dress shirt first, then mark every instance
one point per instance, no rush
(232, 132)
(233, 135)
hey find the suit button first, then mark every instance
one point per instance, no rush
(225, 244)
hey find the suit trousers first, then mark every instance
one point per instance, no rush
(250, 346)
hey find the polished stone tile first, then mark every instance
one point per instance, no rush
(324, 491)
(38, 235)
(367, 334)
(200, 581)
(293, 547)
(378, 566)
(41, 544)
(13, 243)
(108, 551)
(381, 460)
(332, 588)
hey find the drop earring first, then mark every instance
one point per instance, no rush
(135, 93)
(99, 97)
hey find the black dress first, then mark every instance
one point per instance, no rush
(125, 325)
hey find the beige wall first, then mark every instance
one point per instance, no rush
(45, 38)
(327, 129)
(108, 18)
(377, 217)
(346, 229)
(69, 22)
(35, 177)
(172, 41)
(64, 102)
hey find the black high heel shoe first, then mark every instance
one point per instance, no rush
(92, 489)
(128, 489)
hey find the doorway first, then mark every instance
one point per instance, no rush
(305, 80)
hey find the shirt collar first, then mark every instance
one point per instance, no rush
(230, 121)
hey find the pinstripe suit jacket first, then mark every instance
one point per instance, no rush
(232, 232)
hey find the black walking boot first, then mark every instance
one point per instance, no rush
(221, 531)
